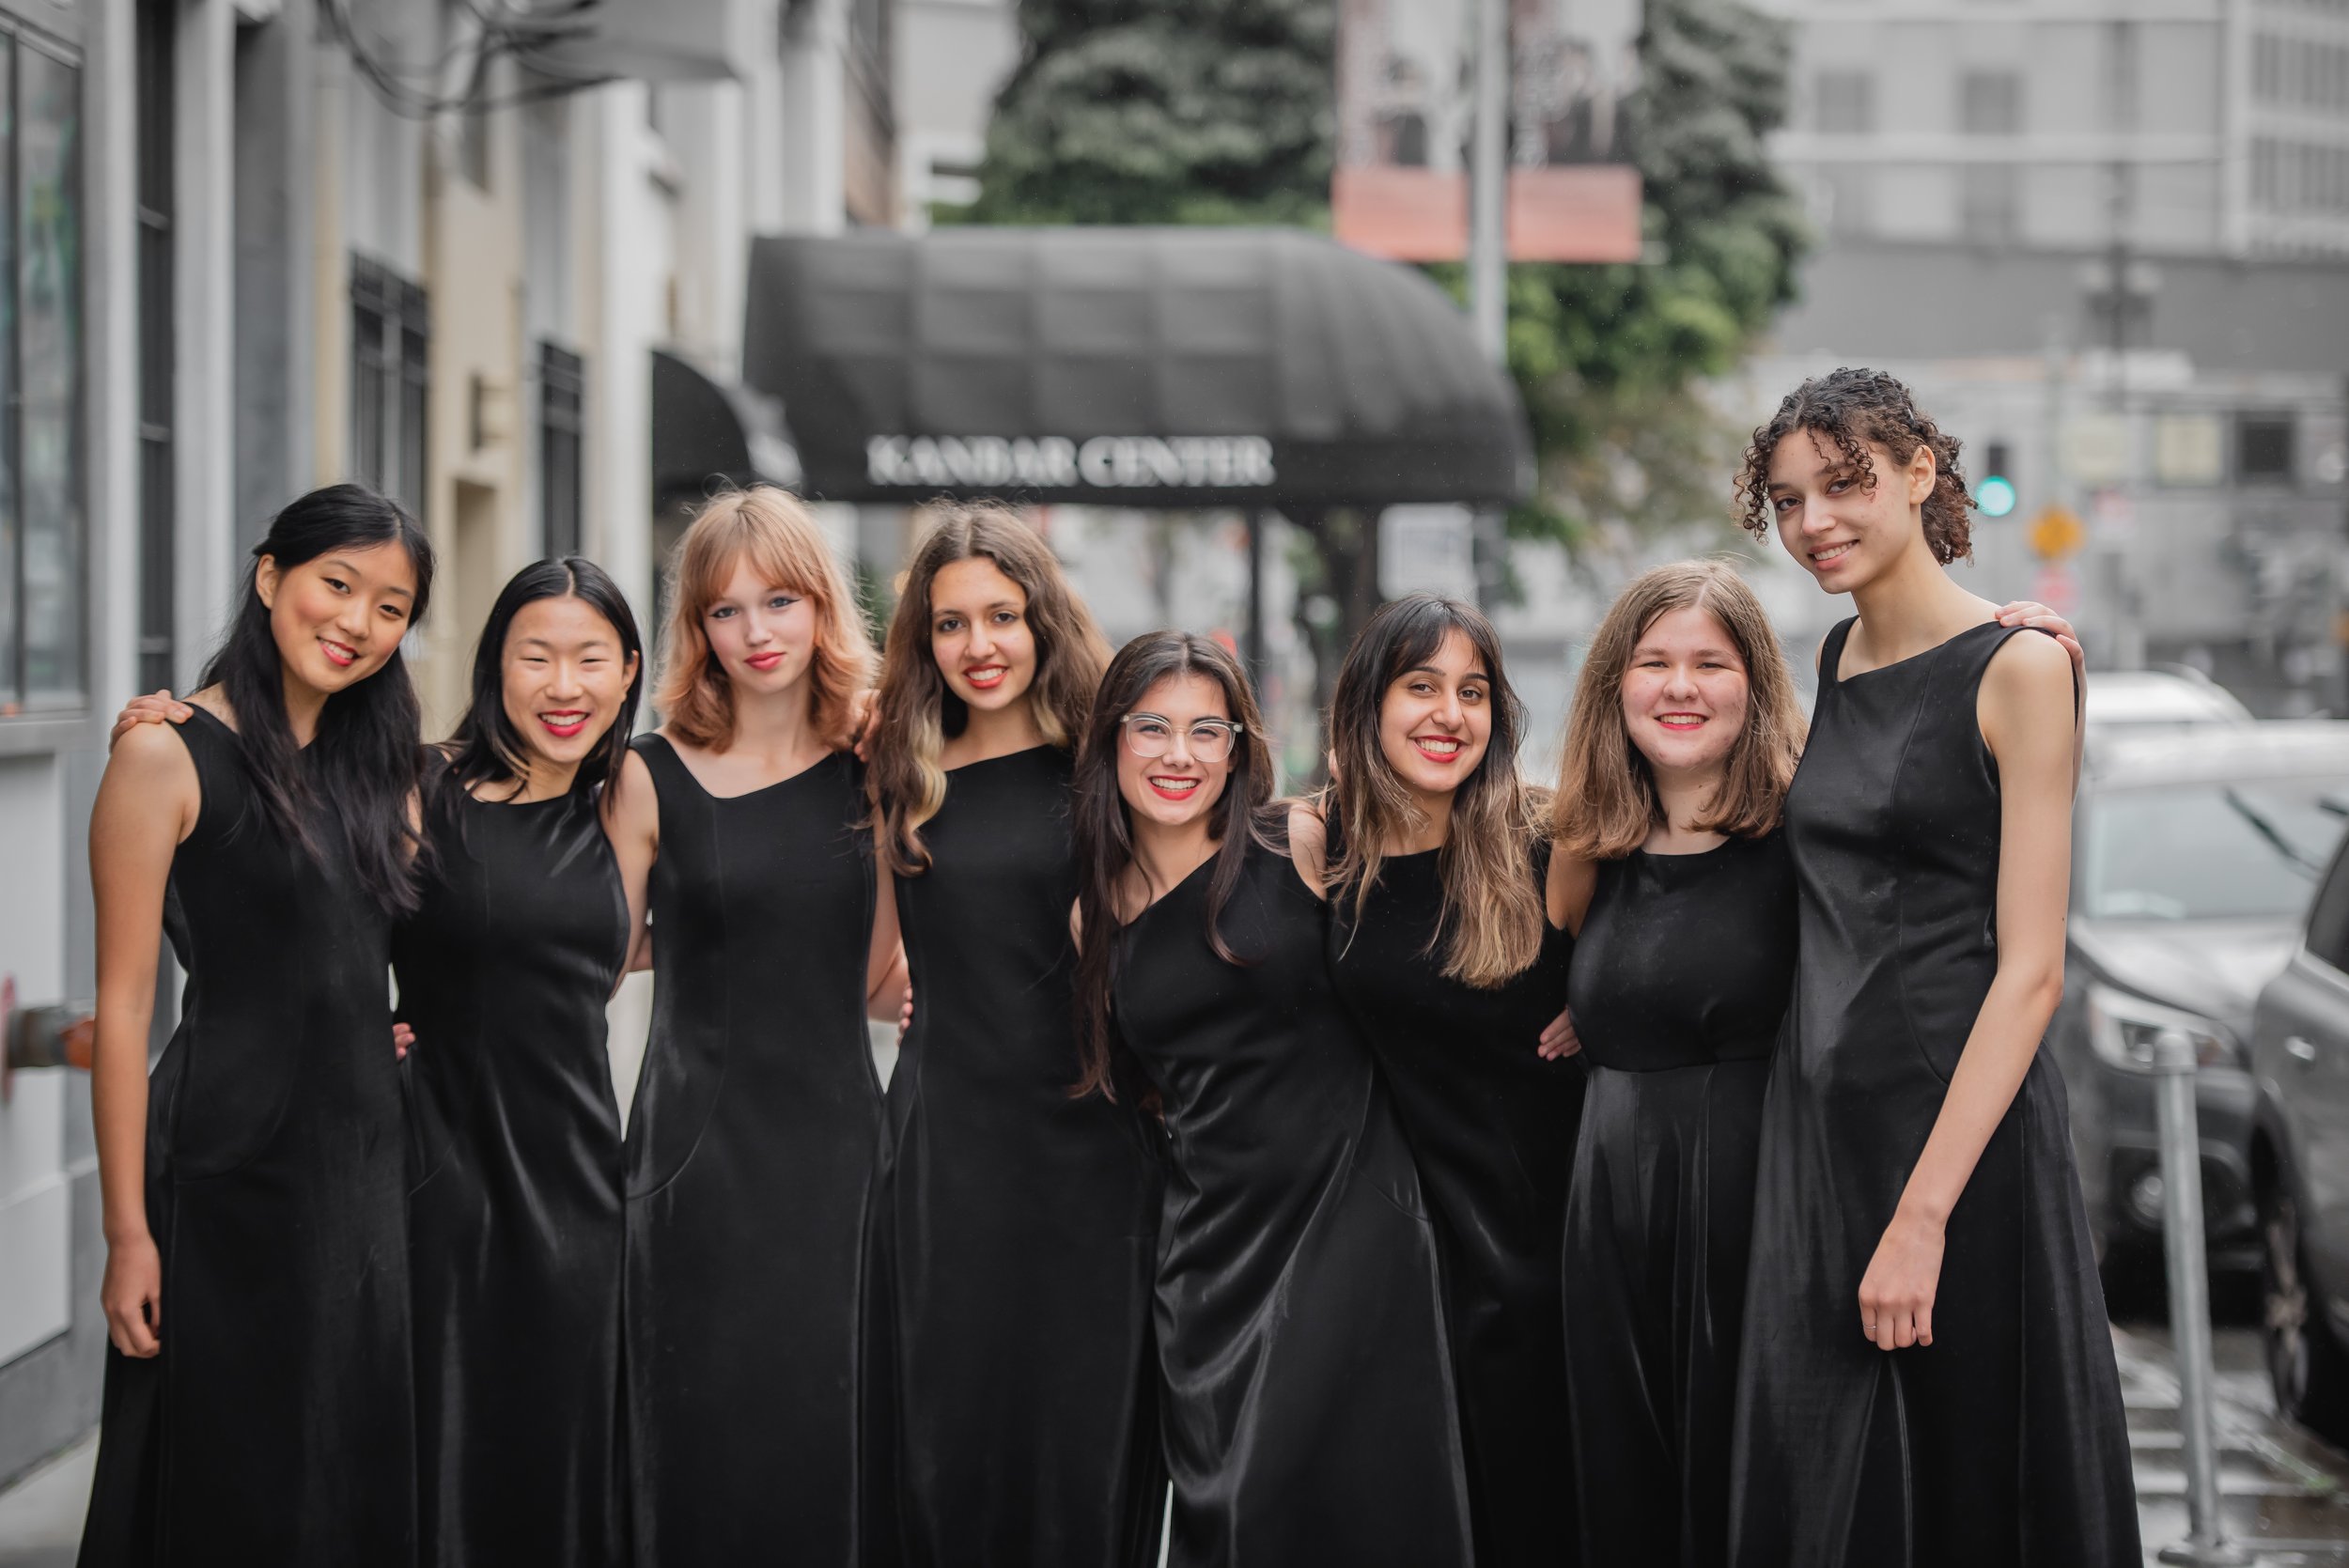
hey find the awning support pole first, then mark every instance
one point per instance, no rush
(1489, 249)
(1255, 648)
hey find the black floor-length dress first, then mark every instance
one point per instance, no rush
(276, 1426)
(750, 1156)
(2004, 1441)
(514, 1218)
(1020, 1226)
(1680, 982)
(1309, 1412)
(1492, 1127)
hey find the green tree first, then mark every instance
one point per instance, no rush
(1163, 112)
(1612, 360)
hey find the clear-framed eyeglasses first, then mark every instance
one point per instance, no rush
(1150, 735)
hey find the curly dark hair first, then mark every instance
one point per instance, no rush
(1853, 407)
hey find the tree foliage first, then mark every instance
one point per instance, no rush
(1612, 360)
(1163, 112)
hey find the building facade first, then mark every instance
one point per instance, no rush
(258, 245)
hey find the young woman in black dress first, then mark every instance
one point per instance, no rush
(1674, 873)
(504, 967)
(757, 1126)
(258, 1403)
(1019, 1226)
(1435, 852)
(503, 970)
(1927, 1373)
(1308, 1413)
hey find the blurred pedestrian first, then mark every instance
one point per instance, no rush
(1309, 1411)
(1435, 853)
(1018, 1224)
(1928, 1377)
(1674, 874)
(756, 1128)
(258, 1403)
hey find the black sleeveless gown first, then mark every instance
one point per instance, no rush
(276, 1426)
(1020, 1225)
(1679, 985)
(514, 1220)
(1308, 1409)
(2004, 1441)
(1492, 1125)
(750, 1159)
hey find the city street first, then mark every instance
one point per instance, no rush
(2286, 1495)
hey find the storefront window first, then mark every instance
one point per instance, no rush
(43, 657)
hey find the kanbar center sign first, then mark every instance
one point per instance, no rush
(1058, 462)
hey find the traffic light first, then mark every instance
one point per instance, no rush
(1994, 493)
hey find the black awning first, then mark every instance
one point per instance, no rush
(705, 435)
(1127, 367)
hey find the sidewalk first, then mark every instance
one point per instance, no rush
(41, 1516)
(2284, 1494)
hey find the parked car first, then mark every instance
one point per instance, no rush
(2194, 858)
(2170, 697)
(2300, 1164)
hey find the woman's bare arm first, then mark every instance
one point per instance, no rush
(147, 804)
(2025, 706)
(632, 820)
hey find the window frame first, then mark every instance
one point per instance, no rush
(29, 731)
(391, 367)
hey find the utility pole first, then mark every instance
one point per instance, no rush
(1488, 247)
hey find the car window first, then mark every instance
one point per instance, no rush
(2328, 921)
(2210, 851)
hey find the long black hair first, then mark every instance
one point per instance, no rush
(363, 763)
(485, 748)
(1103, 829)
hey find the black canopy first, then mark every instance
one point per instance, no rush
(705, 435)
(1126, 367)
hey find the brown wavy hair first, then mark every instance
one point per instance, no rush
(772, 531)
(1242, 816)
(1607, 802)
(1493, 915)
(1851, 409)
(916, 711)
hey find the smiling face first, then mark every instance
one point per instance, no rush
(763, 634)
(1435, 720)
(1845, 528)
(565, 675)
(1684, 692)
(979, 634)
(1180, 788)
(340, 617)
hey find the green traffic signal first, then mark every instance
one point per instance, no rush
(1995, 496)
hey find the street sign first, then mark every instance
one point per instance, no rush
(2057, 587)
(2056, 533)
(2113, 516)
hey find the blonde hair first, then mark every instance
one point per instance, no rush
(915, 711)
(1607, 802)
(772, 530)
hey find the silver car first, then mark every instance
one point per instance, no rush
(2195, 854)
